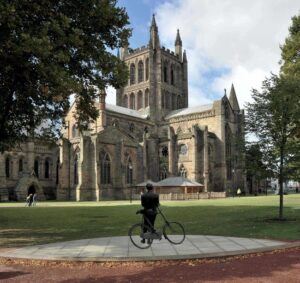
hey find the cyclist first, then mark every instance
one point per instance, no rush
(150, 202)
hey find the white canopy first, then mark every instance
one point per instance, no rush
(177, 182)
(143, 184)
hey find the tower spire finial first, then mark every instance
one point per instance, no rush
(154, 39)
(153, 23)
(178, 40)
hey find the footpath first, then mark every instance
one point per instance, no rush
(121, 249)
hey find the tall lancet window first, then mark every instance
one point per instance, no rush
(132, 101)
(140, 71)
(228, 151)
(7, 167)
(129, 172)
(36, 167)
(47, 169)
(147, 69)
(105, 170)
(76, 161)
(132, 74)
(139, 100)
(166, 79)
(172, 75)
(146, 97)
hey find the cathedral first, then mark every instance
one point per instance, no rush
(150, 134)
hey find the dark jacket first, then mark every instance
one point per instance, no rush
(150, 201)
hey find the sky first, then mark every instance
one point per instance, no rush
(227, 41)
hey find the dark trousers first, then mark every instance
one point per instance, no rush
(151, 218)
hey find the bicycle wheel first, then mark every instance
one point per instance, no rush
(135, 234)
(174, 232)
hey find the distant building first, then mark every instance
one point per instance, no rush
(150, 134)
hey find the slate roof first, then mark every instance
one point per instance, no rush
(188, 111)
(126, 111)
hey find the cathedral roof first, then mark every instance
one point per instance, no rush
(126, 111)
(188, 111)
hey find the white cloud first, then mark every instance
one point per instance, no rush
(242, 37)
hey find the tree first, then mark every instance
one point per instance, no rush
(256, 169)
(274, 119)
(49, 50)
(290, 51)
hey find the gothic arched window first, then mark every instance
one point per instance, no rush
(7, 167)
(139, 100)
(166, 79)
(132, 74)
(140, 71)
(129, 172)
(105, 169)
(57, 170)
(165, 151)
(172, 75)
(47, 169)
(76, 161)
(21, 164)
(36, 167)
(147, 69)
(228, 151)
(146, 97)
(132, 101)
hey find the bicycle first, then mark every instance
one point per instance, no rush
(172, 231)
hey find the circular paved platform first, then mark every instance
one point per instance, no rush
(121, 249)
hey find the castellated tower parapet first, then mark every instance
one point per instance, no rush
(158, 81)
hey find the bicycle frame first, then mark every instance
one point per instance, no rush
(170, 230)
(154, 234)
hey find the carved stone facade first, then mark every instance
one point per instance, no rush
(150, 134)
(30, 168)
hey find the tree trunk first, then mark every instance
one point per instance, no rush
(281, 185)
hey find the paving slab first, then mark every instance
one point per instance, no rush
(121, 249)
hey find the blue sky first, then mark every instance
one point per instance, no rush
(227, 41)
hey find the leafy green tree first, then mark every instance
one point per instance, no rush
(255, 165)
(290, 70)
(290, 51)
(273, 118)
(49, 50)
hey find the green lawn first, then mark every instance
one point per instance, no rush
(62, 221)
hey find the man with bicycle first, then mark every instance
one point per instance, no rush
(150, 203)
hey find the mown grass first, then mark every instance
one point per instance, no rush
(63, 221)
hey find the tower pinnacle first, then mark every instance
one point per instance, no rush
(154, 39)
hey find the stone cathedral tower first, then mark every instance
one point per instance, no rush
(158, 80)
(150, 134)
